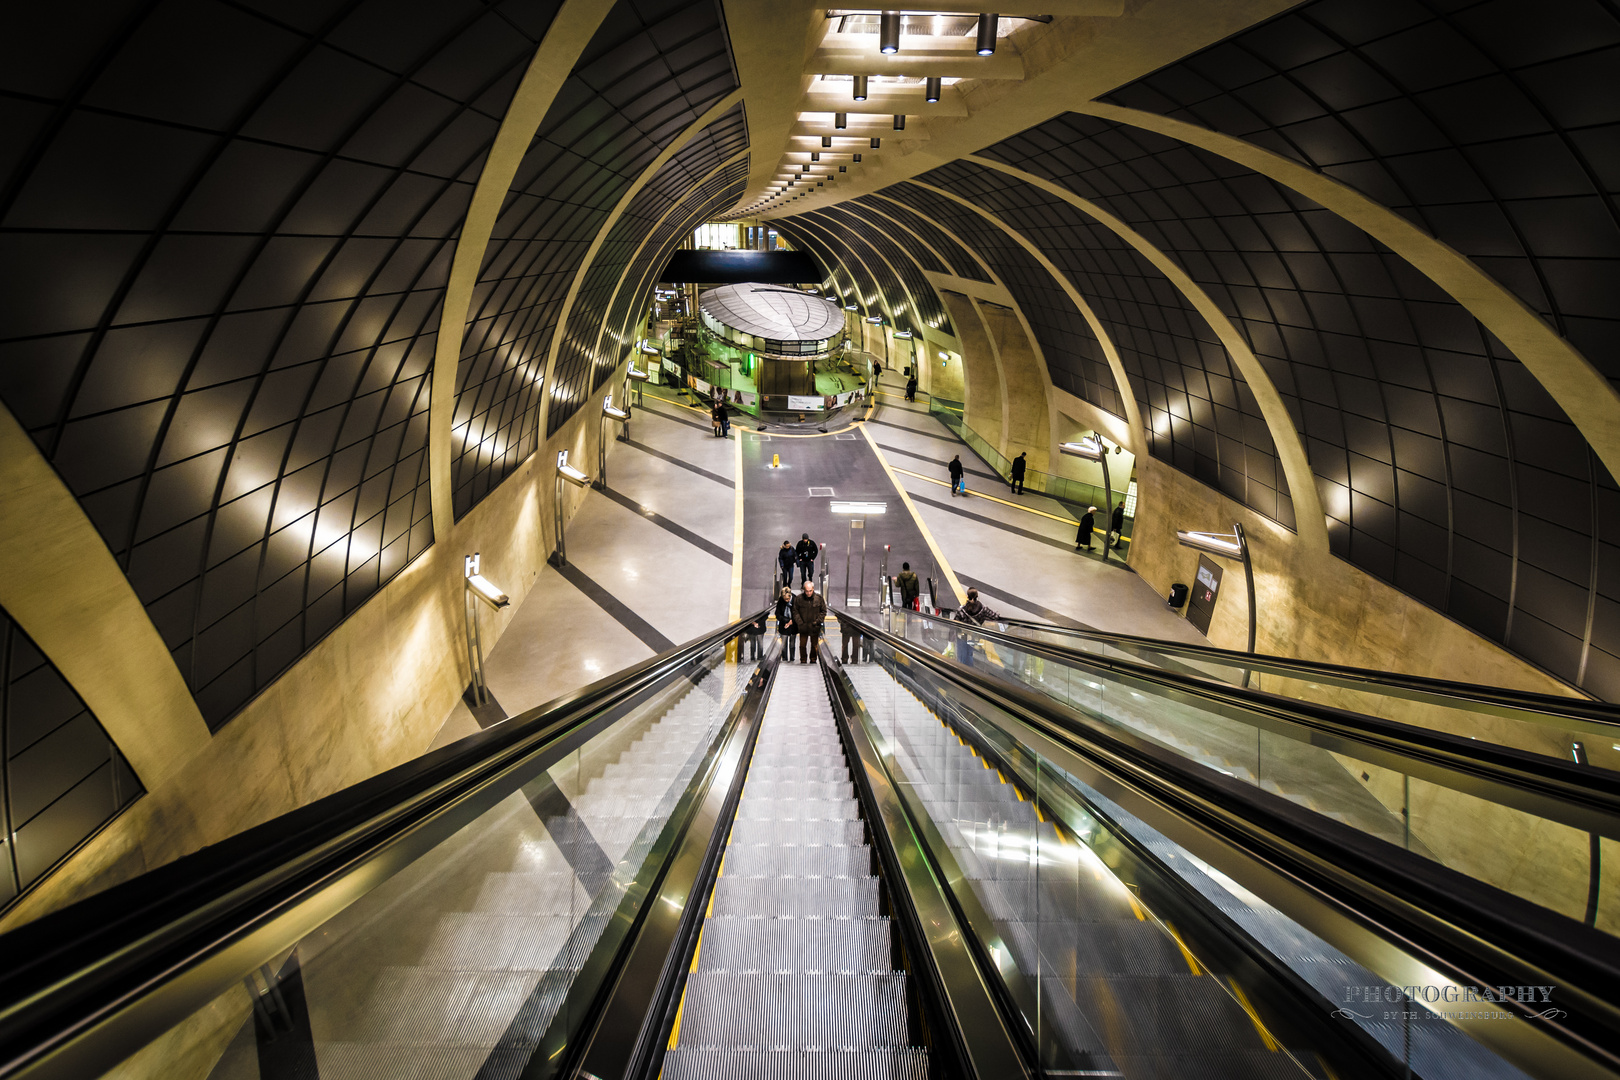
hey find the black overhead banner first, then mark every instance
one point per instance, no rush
(736, 267)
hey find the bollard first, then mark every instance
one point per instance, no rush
(776, 461)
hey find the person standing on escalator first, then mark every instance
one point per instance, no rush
(972, 613)
(784, 621)
(910, 587)
(809, 615)
(785, 558)
(805, 553)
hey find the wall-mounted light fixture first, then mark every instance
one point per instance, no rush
(877, 144)
(899, 121)
(610, 413)
(815, 155)
(843, 168)
(570, 474)
(638, 376)
(860, 88)
(840, 120)
(1232, 545)
(826, 141)
(986, 43)
(857, 159)
(889, 33)
(932, 90)
(477, 587)
(876, 320)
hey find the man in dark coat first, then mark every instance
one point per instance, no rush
(1018, 465)
(1116, 524)
(785, 558)
(910, 587)
(809, 613)
(1088, 525)
(955, 468)
(805, 554)
(911, 388)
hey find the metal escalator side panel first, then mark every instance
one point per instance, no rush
(974, 1020)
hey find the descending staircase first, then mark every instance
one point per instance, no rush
(794, 974)
(1118, 996)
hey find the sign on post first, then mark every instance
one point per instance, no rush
(1206, 587)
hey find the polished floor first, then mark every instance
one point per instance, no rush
(650, 558)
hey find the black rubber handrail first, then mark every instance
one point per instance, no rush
(1471, 932)
(1580, 796)
(136, 951)
(1526, 705)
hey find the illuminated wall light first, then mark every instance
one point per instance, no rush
(986, 44)
(840, 120)
(877, 144)
(857, 159)
(843, 168)
(933, 90)
(860, 88)
(899, 121)
(815, 155)
(826, 140)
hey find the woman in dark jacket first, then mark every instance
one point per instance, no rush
(784, 619)
(1088, 525)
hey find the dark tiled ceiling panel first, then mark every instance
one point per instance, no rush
(919, 252)
(719, 192)
(895, 298)
(682, 173)
(1495, 125)
(1200, 413)
(62, 778)
(1443, 467)
(928, 307)
(963, 264)
(654, 67)
(1074, 358)
(838, 280)
(833, 251)
(886, 258)
(224, 238)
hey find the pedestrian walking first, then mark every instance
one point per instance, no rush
(725, 417)
(1088, 525)
(910, 587)
(1018, 465)
(809, 615)
(714, 418)
(911, 388)
(955, 468)
(877, 371)
(785, 558)
(1116, 525)
(805, 553)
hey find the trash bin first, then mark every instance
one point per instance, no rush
(1178, 595)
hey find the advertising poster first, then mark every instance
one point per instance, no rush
(804, 404)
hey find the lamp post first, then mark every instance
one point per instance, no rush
(570, 474)
(1232, 545)
(1092, 449)
(639, 376)
(610, 413)
(478, 587)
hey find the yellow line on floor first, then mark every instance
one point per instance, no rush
(737, 534)
(992, 498)
(902, 397)
(928, 538)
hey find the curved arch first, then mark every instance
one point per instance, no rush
(576, 22)
(1591, 401)
(1309, 521)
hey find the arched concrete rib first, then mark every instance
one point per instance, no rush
(1309, 522)
(1588, 398)
(1133, 415)
(576, 22)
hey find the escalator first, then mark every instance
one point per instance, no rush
(934, 861)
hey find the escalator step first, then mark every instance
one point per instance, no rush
(778, 945)
(798, 832)
(901, 1063)
(797, 860)
(836, 897)
(800, 1011)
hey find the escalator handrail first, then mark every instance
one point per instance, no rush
(1581, 796)
(70, 972)
(1578, 714)
(1470, 931)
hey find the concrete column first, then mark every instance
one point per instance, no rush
(1025, 421)
(981, 392)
